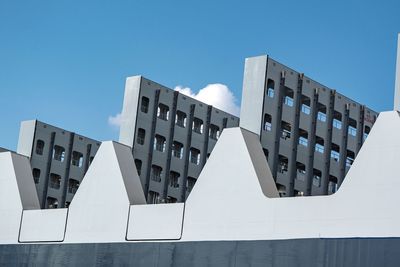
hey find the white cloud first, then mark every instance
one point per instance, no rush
(217, 95)
(115, 121)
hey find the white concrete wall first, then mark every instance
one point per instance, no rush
(26, 137)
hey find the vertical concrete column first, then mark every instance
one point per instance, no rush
(186, 154)
(397, 83)
(343, 145)
(311, 138)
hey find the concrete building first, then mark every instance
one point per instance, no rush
(59, 160)
(3, 149)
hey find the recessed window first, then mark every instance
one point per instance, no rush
(286, 129)
(144, 107)
(177, 149)
(321, 115)
(36, 175)
(317, 174)
(153, 197)
(214, 132)
(305, 104)
(283, 164)
(77, 159)
(270, 88)
(288, 97)
(303, 137)
(267, 122)
(156, 172)
(337, 120)
(350, 158)
(332, 184)
(55, 181)
(300, 171)
(352, 129)
(52, 203)
(335, 152)
(163, 112)
(180, 119)
(266, 153)
(171, 200)
(138, 164)
(197, 126)
(190, 183)
(141, 136)
(194, 156)
(174, 179)
(91, 160)
(59, 153)
(319, 144)
(367, 129)
(73, 186)
(39, 147)
(281, 190)
(159, 143)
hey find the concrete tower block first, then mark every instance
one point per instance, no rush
(100, 208)
(17, 192)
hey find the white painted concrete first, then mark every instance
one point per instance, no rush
(26, 137)
(99, 210)
(43, 225)
(397, 77)
(129, 110)
(155, 222)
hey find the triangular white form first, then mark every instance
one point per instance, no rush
(227, 202)
(100, 208)
(17, 192)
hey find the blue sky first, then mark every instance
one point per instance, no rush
(65, 62)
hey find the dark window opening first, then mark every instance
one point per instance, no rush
(39, 147)
(163, 112)
(154, 197)
(352, 129)
(350, 158)
(141, 136)
(214, 132)
(283, 164)
(321, 115)
(52, 203)
(156, 173)
(59, 153)
(270, 88)
(337, 120)
(335, 152)
(319, 144)
(194, 156)
(36, 175)
(138, 164)
(367, 130)
(77, 159)
(286, 129)
(171, 199)
(73, 186)
(197, 126)
(177, 149)
(303, 137)
(300, 171)
(190, 183)
(55, 181)
(144, 107)
(266, 153)
(332, 184)
(159, 143)
(180, 119)
(281, 190)
(174, 179)
(288, 97)
(305, 104)
(267, 122)
(317, 174)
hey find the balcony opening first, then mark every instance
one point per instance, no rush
(286, 129)
(156, 173)
(303, 137)
(153, 197)
(163, 112)
(180, 119)
(337, 120)
(77, 159)
(214, 132)
(52, 203)
(138, 164)
(321, 115)
(298, 193)
(332, 184)
(350, 158)
(36, 175)
(319, 144)
(55, 181)
(144, 107)
(59, 153)
(352, 129)
(317, 174)
(305, 104)
(267, 122)
(300, 171)
(159, 143)
(174, 179)
(190, 183)
(335, 152)
(177, 149)
(171, 200)
(39, 147)
(288, 97)
(73, 186)
(367, 129)
(194, 156)
(197, 126)
(283, 164)
(281, 190)
(141, 136)
(270, 88)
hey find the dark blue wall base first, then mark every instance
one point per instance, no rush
(361, 252)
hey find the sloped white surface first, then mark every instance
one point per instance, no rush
(99, 210)
(227, 203)
(155, 222)
(43, 225)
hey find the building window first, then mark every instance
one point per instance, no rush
(317, 178)
(281, 190)
(319, 144)
(77, 159)
(266, 153)
(332, 184)
(154, 197)
(159, 143)
(335, 152)
(52, 203)
(305, 105)
(300, 171)
(190, 183)
(174, 179)
(67, 203)
(138, 164)
(91, 160)
(321, 115)
(177, 149)
(283, 164)
(214, 132)
(350, 158)
(144, 107)
(156, 172)
(55, 181)
(288, 97)
(194, 156)
(36, 175)
(180, 119)
(303, 137)
(59, 153)
(337, 120)
(171, 200)
(73, 186)
(198, 125)
(298, 193)
(140, 136)
(352, 129)
(367, 129)
(39, 147)
(286, 128)
(163, 112)
(267, 123)
(270, 88)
